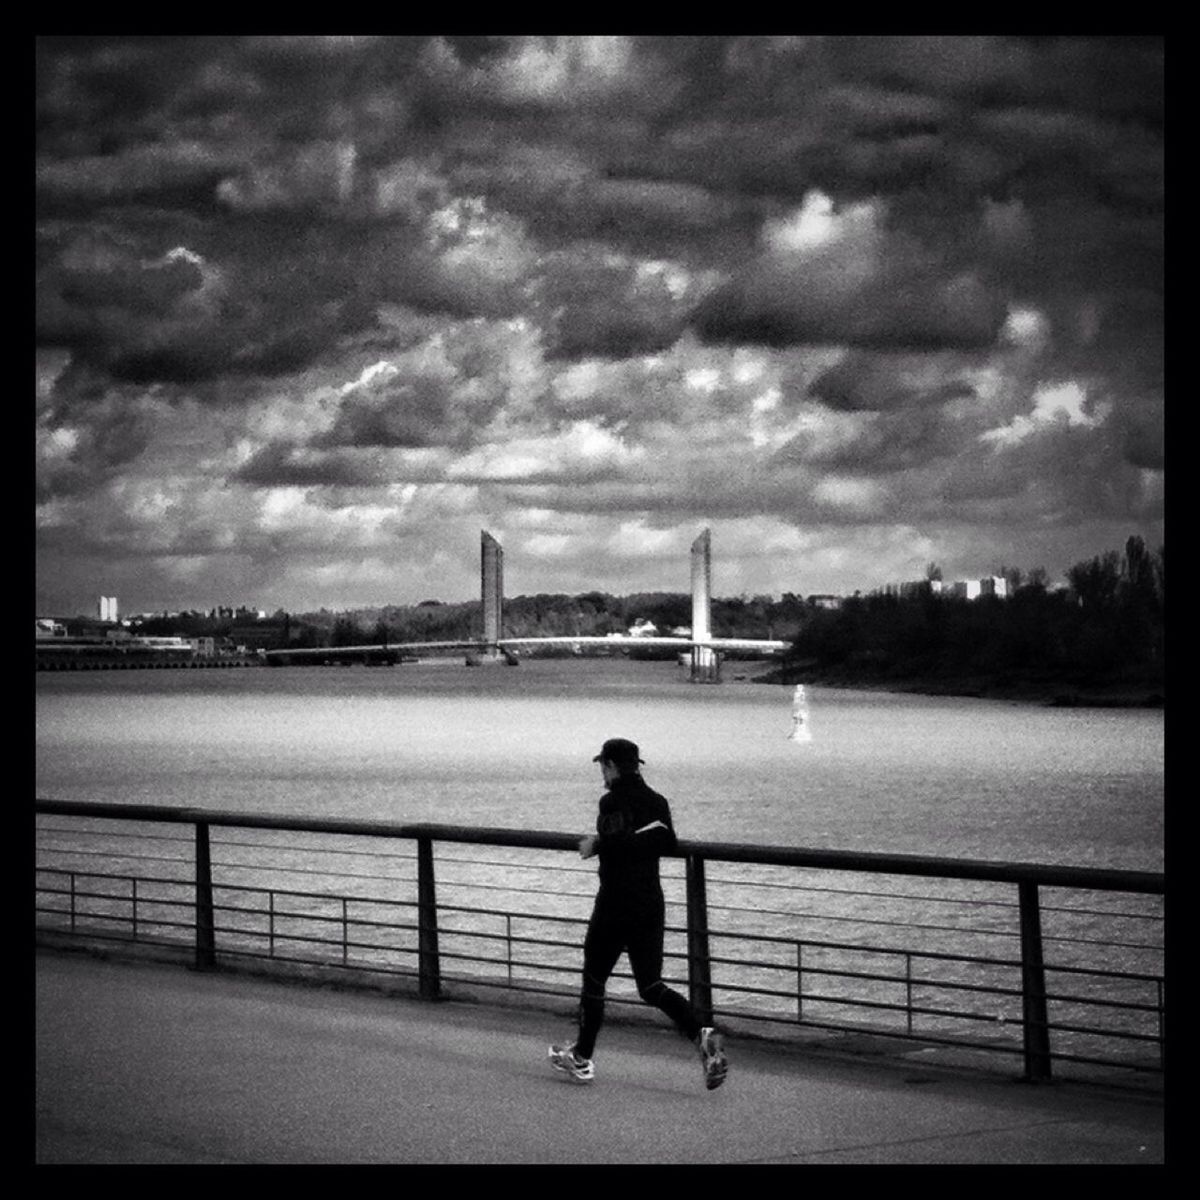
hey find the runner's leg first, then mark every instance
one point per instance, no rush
(645, 946)
(602, 947)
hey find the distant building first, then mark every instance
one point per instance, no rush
(108, 609)
(203, 647)
(961, 589)
(825, 601)
(259, 636)
(46, 628)
(643, 629)
(163, 643)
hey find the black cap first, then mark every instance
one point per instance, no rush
(620, 751)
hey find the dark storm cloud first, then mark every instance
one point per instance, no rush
(882, 382)
(885, 443)
(796, 280)
(409, 411)
(313, 127)
(606, 308)
(280, 465)
(284, 238)
(89, 430)
(111, 440)
(780, 303)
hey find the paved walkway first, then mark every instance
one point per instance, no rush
(151, 1063)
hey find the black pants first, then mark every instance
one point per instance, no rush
(633, 924)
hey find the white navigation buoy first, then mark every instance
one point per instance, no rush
(800, 729)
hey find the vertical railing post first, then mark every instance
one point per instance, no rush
(271, 922)
(430, 974)
(133, 905)
(908, 984)
(799, 983)
(699, 962)
(206, 940)
(72, 901)
(1035, 1017)
(1162, 1030)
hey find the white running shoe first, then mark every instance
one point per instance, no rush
(712, 1057)
(564, 1058)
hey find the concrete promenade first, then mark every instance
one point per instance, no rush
(141, 1062)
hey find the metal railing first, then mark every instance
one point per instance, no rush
(1062, 967)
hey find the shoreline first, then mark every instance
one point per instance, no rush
(1046, 694)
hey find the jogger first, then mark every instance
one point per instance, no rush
(633, 830)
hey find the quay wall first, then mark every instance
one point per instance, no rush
(134, 662)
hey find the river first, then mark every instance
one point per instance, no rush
(512, 747)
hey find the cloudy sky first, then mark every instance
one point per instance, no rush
(313, 312)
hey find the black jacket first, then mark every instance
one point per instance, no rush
(635, 829)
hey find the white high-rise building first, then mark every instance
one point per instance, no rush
(108, 609)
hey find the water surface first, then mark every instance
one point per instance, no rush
(512, 748)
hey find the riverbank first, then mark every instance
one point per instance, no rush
(1051, 692)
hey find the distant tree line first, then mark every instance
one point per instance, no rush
(1105, 629)
(590, 614)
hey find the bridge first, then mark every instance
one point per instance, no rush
(492, 647)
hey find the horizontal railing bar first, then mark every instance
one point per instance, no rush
(139, 836)
(1095, 1031)
(80, 873)
(262, 890)
(884, 922)
(152, 921)
(1115, 945)
(303, 872)
(1090, 878)
(512, 888)
(127, 937)
(125, 855)
(319, 848)
(1143, 1006)
(923, 897)
(1103, 973)
(341, 872)
(375, 969)
(545, 917)
(1157, 917)
(776, 939)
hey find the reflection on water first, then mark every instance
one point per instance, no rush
(512, 748)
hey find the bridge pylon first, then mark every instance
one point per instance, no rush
(491, 584)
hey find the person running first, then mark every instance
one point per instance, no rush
(633, 830)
